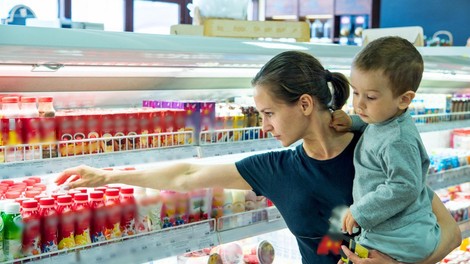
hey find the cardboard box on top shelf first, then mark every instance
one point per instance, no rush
(217, 27)
(300, 31)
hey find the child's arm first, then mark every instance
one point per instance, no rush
(402, 184)
(342, 122)
(450, 232)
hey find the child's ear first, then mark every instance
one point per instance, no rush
(405, 99)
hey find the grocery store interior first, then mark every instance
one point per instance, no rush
(126, 85)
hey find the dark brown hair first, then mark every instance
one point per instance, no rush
(399, 60)
(291, 74)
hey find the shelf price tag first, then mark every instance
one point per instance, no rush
(60, 259)
(273, 214)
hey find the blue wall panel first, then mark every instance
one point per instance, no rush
(432, 15)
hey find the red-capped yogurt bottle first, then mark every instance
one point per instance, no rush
(49, 225)
(82, 219)
(98, 216)
(66, 229)
(129, 211)
(31, 228)
(113, 214)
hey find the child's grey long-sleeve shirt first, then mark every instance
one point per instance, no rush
(391, 164)
(389, 191)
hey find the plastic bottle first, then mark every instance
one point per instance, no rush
(217, 204)
(7, 182)
(328, 28)
(32, 193)
(49, 225)
(129, 211)
(40, 186)
(30, 123)
(28, 107)
(317, 29)
(32, 228)
(11, 128)
(39, 197)
(420, 110)
(196, 205)
(12, 239)
(82, 190)
(46, 106)
(183, 211)
(47, 127)
(12, 195)
(66, 231)
(154, 209)
(35, 179)
(20, 200)
(2, 228)
(113, 214)
(168, 215)
(142, 215)
(82, 219)
(98, 216)
(2, 155)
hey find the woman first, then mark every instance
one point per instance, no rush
(292, 94)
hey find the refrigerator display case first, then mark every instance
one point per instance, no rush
(85, 68)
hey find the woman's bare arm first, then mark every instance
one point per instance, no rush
(175, 176)
(450, 232)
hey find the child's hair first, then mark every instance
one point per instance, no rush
(399, 60)
(291, 74)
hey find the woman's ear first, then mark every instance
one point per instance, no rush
(306, 104)
(405, 99)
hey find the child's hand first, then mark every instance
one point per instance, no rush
(349, 223)
(340, 121)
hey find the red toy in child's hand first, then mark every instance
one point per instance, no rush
(328, 245)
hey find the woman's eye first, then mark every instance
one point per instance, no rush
(371, 98)
(268, 114)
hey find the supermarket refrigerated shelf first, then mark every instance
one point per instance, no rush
(162, 243)
(102, 160)
(220, 149)
(449, 177)
(211, 144)
(272, 222)
(138, 248)
(465, 228)
(131, 153)
(439, 122)
(235, 141)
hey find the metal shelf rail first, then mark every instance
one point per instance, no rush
(166, 242)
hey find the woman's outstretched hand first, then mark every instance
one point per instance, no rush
(82, 176)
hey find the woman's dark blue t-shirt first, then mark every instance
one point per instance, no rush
(304, 190)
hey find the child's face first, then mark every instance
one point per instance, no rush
(373, 99)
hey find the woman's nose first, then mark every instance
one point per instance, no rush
(266, 127)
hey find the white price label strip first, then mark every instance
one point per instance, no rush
(273, 214)
(60, 259)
